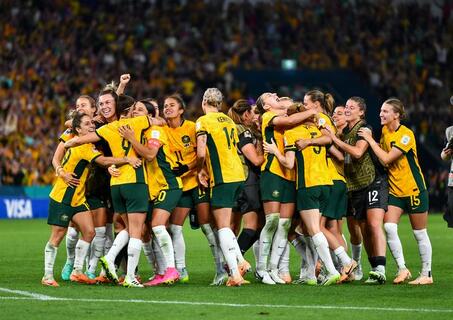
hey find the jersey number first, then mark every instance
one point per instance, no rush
(66, 157)
(373, 196)
(229, 137)
(126, 145)
(316, 149)
(161, 196)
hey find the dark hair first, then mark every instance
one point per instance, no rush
(178, 98)
(90, 100)
(326, 100)
(149, 106)
(77, 121)
(124, 102)
(108, 90)
(397, 106)
(361, 103)
(238, 109)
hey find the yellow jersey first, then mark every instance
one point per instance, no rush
(311, 163)
(336, 168)
(183, 144)
(405, 176)
(224, 164)
(122, 148)
(158, 171)
(66, 135)
(271, 163)
(75, 160)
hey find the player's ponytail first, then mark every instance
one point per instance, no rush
(238, 109)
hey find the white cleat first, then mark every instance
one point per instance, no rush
(274, 275)
(219, 279)
(264, 277)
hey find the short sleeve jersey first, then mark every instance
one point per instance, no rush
(122, 148)
(405, 176)
(75, 160)
(311, 163)
(159, 173)
(335, 168)
(183, 143)
(224, 164)
(270, 133)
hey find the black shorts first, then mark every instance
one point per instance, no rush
(249, 198)
(375, 196)
(448, 215)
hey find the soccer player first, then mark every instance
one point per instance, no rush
(129, 190)
(276, 184)
(398, 151)
(69, 203)
(312, 181)
(446, 155)
(218, 163)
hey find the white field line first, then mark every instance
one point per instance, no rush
(40, 297)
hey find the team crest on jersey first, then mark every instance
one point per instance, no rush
(405, 140)
(275, 193)
(186, 141)
(64, 217)
(321, 122)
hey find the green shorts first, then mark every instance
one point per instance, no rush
(191, 198)
(225, 195)
(95, 202)
(149, 213)
(337, 205)
(413, 204)
(130, 198)
(313, 198)
(167, 199)
(60, 214)
(275, 188)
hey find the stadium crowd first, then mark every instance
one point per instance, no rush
(54, 50)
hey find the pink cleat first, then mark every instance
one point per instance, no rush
(156, 280)
(171, 276)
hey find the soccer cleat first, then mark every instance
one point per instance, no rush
(81, 278)
(236, 281)
(264, 277)
(131, 282)
(171, 276)
(102, 279)
(422, 280)
(219, 279)
(154, 281)
(66, 272)
(244, 267)
(331, 279)
(371, 281)
(109, 268)
(378, 276)
(49, 281)
(91, 275)
(347, 271)
(183, 275)
(285, 277)
(306, 280)
(358, 273)
(275, 277)
(402, 276)
(318, 268)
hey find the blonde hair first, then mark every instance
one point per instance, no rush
(213, 97)
(326, 100)
(397, 106)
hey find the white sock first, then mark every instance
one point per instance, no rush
(341, 254)
(301, 248)
(425, 250)
(322, 247)
(226, 240)
(133, 255)
(72, 236)
(215, 250)
(237, 250)
(283, 264)
(266, 240)
(50, 253)
(179, 246)
(149, 254)
(164, 240)
(279, 242)
(122, 238)
(312, 258)
(161, 263)
(335, 260)
(394, 243)
(97, 248)
(356, 250)
(81, 252)
(256, 251)
(108, 237)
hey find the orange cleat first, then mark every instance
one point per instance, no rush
(422, 280)
(102, 279)
(402, 276)
(236, 281)
(81, 278)
(244, 267)
(50, 282)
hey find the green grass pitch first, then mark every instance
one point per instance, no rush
(21, 267)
